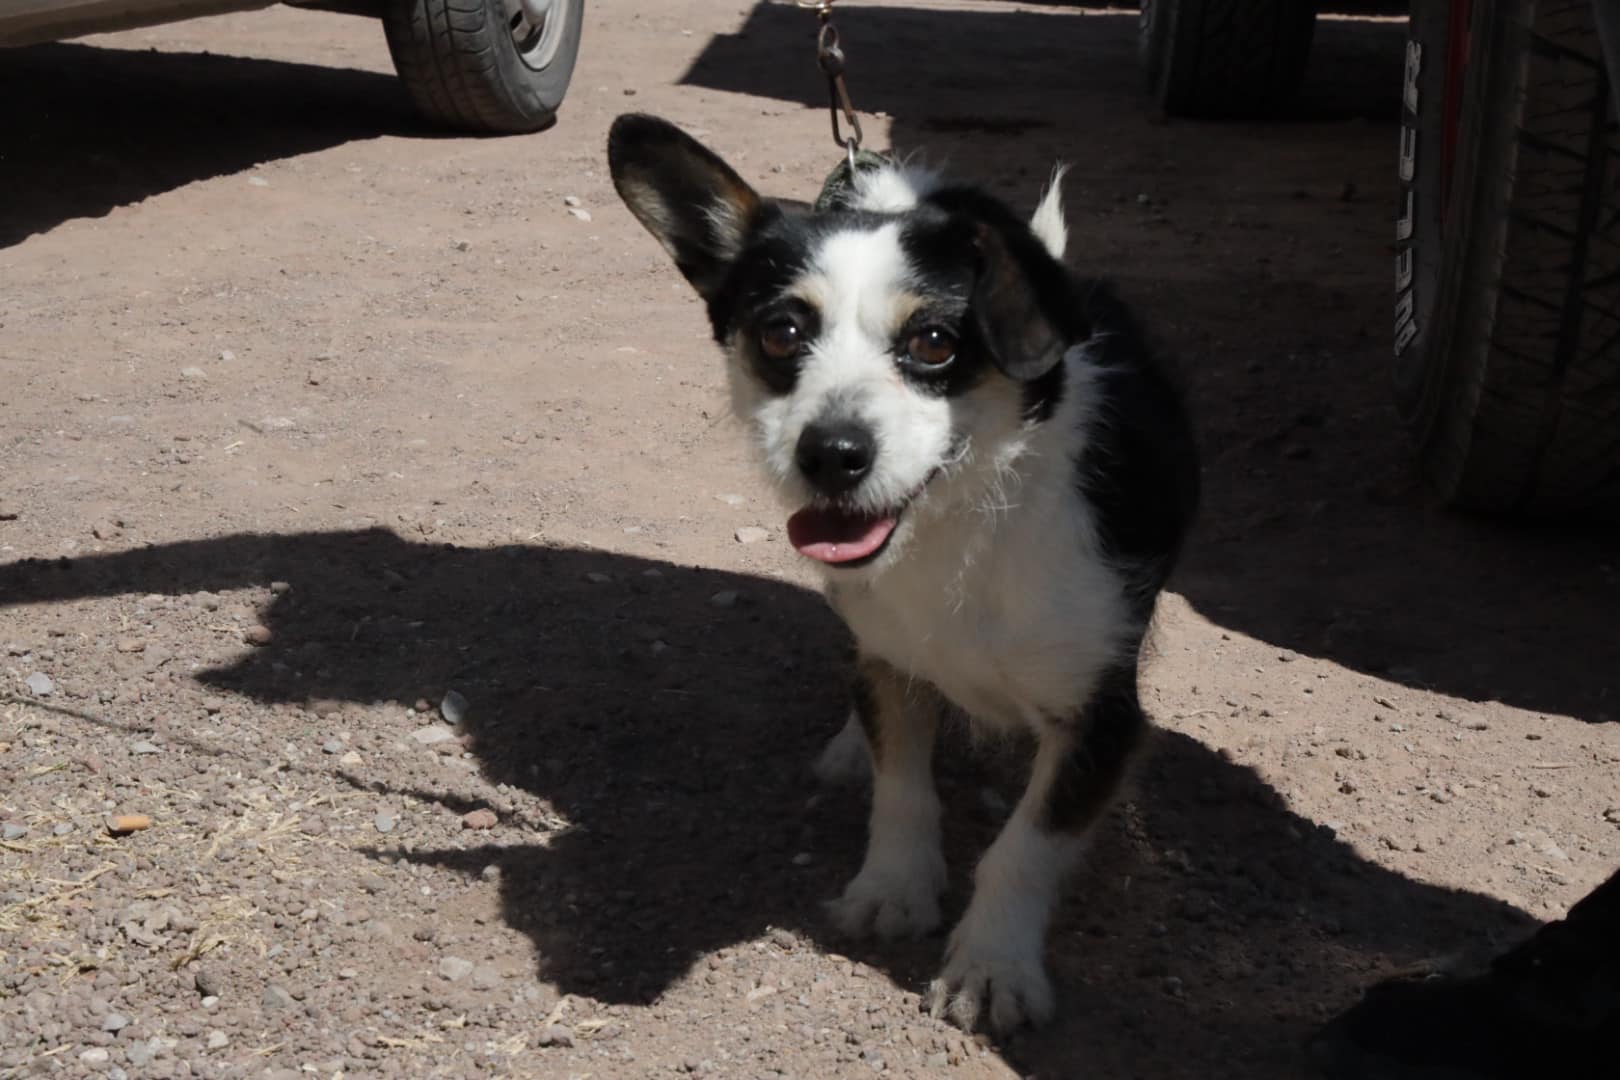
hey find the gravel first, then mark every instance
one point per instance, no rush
(433, 734)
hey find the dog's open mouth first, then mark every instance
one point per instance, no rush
(840, 537)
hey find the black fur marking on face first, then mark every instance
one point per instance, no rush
(939, 254)
(778, 375)
(1011, 301)
(773, 257)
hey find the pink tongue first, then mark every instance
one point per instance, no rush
(831, 536)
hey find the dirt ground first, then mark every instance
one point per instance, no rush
(309, 416)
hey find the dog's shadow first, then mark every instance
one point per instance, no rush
(672, 723)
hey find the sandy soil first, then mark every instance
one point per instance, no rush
(309, 417)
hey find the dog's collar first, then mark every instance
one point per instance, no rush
(840, 183)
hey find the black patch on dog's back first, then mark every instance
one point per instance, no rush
(1139, 468)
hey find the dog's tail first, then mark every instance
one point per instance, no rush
(1047, 224)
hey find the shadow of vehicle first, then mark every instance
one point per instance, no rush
(90, 129)
(673, 730)
(1315, 534)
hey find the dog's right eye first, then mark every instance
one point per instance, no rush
(781, 339)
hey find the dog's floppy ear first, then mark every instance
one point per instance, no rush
(1013, 294)
(689, 199)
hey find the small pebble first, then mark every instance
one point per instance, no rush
(96, 1055)
(752, 534)
(482, 818)
(432, 734)
(580, 212)
(384, 822)
(114, 1022)
(332, 746)
(556, 1035)
(454, 968)
(40, 684)
(122, 824)
(131, 645)
(453, 708)
(142, 746)
(13, 831)
(571, 200)
(276, 998)
(258, 635)
(218, 1040)
(724, 599)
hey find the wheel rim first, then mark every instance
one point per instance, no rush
(537, 28)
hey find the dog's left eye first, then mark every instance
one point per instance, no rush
(781, 339)
(931, 348)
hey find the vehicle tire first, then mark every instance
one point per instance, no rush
(1507, 319)
(498, 66)
(1225, 59)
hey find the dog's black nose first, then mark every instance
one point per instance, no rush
(835, 457)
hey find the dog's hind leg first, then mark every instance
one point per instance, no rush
(896, 893)
(995, 956)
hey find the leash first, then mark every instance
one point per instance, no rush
(830, 58)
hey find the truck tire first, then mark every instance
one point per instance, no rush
(1225, 59)
(497, 66)
(1507, 317)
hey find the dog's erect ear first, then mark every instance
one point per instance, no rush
(693, 202)
(1012, 296)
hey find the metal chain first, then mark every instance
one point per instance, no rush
(830, 57)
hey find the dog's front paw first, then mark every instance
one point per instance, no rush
(995, 972)
(892, 901)
(845, 759)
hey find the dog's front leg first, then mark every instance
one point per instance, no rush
(896, 894)
(995, 955)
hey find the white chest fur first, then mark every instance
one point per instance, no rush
(1010, 613)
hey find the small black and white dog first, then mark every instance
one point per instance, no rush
(996, 478)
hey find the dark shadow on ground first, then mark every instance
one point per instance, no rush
(675, 733)
(87, 129)
(1315, 536)
(938, 72)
